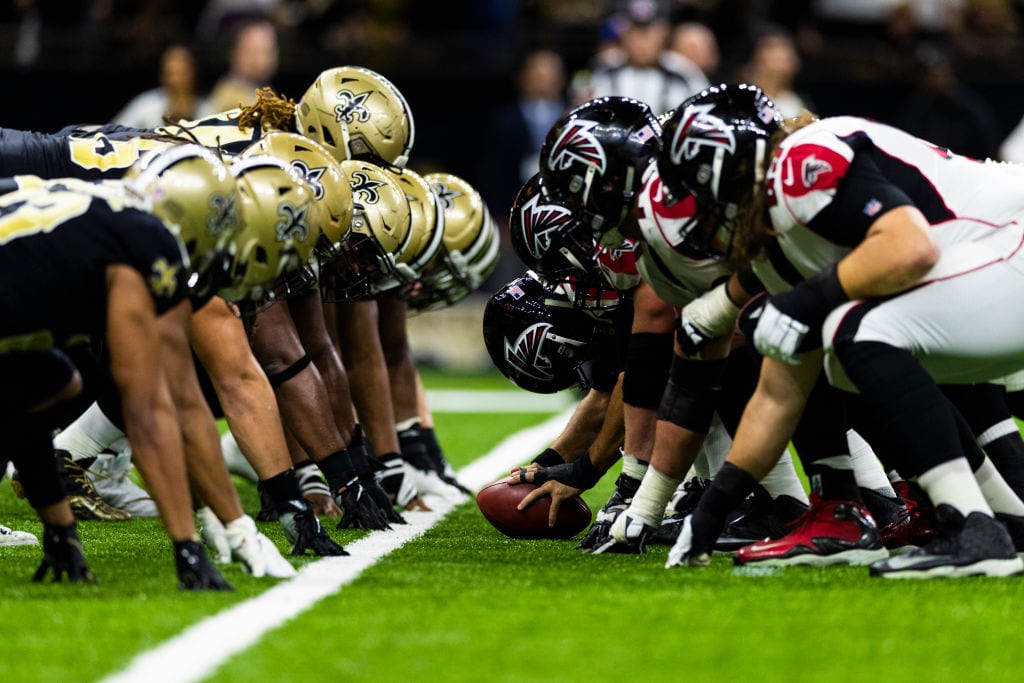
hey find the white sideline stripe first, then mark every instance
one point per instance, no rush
(201, 648)
(487, 401)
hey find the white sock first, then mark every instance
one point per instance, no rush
(655, 491)
(996, 491)
(716, 447)
(632, 467)
(953, 483)
(893, 476)
(781, 480)
(89, 435)
(866, 467)
(236, 461)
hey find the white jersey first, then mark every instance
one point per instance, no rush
(830, 181)
(676, 277)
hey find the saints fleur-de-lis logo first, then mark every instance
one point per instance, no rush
(313, 176)
(445, 195)
(365, 187)
(351, 107)
(291, 223)
(223, 214)
(163, 278)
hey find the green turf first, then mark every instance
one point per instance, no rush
(466, 604)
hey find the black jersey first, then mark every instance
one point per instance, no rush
(55, 246)
(94, 152)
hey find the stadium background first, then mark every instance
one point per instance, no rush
(80, 61)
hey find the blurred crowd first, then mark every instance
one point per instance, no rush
(941, 69)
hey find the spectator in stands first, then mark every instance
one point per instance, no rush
(518, 129)
(697, 43)
(252, 65)
(773, 65)
(940, 109)
(176, 97)
(645, 69)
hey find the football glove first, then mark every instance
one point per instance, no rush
(626, 535)
(686, 553)
(368, 469)
(63, 554)
(302, 529)
(358, 509)
(579, 474)
(396, 481)
(212, 532)
(195, 573)
(254, 551)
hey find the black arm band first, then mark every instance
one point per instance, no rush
(750, 283)
(691, 394)
(648, 359)
(813, 299)
(278, 378)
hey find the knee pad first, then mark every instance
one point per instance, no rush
(648, 361)
(690, 396)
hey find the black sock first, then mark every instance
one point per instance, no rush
(1007, 454)
(281, 488)
(727, 490)
(831, 483)
(914, 420)
(338, 469)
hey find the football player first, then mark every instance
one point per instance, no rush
(869, 240)
(90, 266)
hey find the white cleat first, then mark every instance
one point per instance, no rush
(10, 537)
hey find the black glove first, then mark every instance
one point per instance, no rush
(579, 474)
(358, 509)
(597, 534)
(62, 552)
(548, 458)
(367, 468)
(303, 530)
(195, 573)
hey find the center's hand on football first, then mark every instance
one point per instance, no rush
(556, 489)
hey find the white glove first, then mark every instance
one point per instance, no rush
(680, 555)
(778, 335)
(396, 479)
(708, 317)
(212, 533)
(254, 551)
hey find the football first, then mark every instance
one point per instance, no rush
(498, 504)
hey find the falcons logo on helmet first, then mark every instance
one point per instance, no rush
(577, 143)
(542, 222)
(291, 223)
(524, 353)
(697, 130)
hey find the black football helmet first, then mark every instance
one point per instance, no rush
(537, 338)
(594, 158)
(552, 242)
(714, 148)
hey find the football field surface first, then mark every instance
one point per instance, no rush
(450, 599)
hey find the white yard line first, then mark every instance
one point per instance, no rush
(456, 401)
(198, 651)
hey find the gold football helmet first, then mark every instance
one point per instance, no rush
(192, 191)
(427, 228)
(280, 225)
(314, 163)
(470, 247)
(357, 114)
(381, 234)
